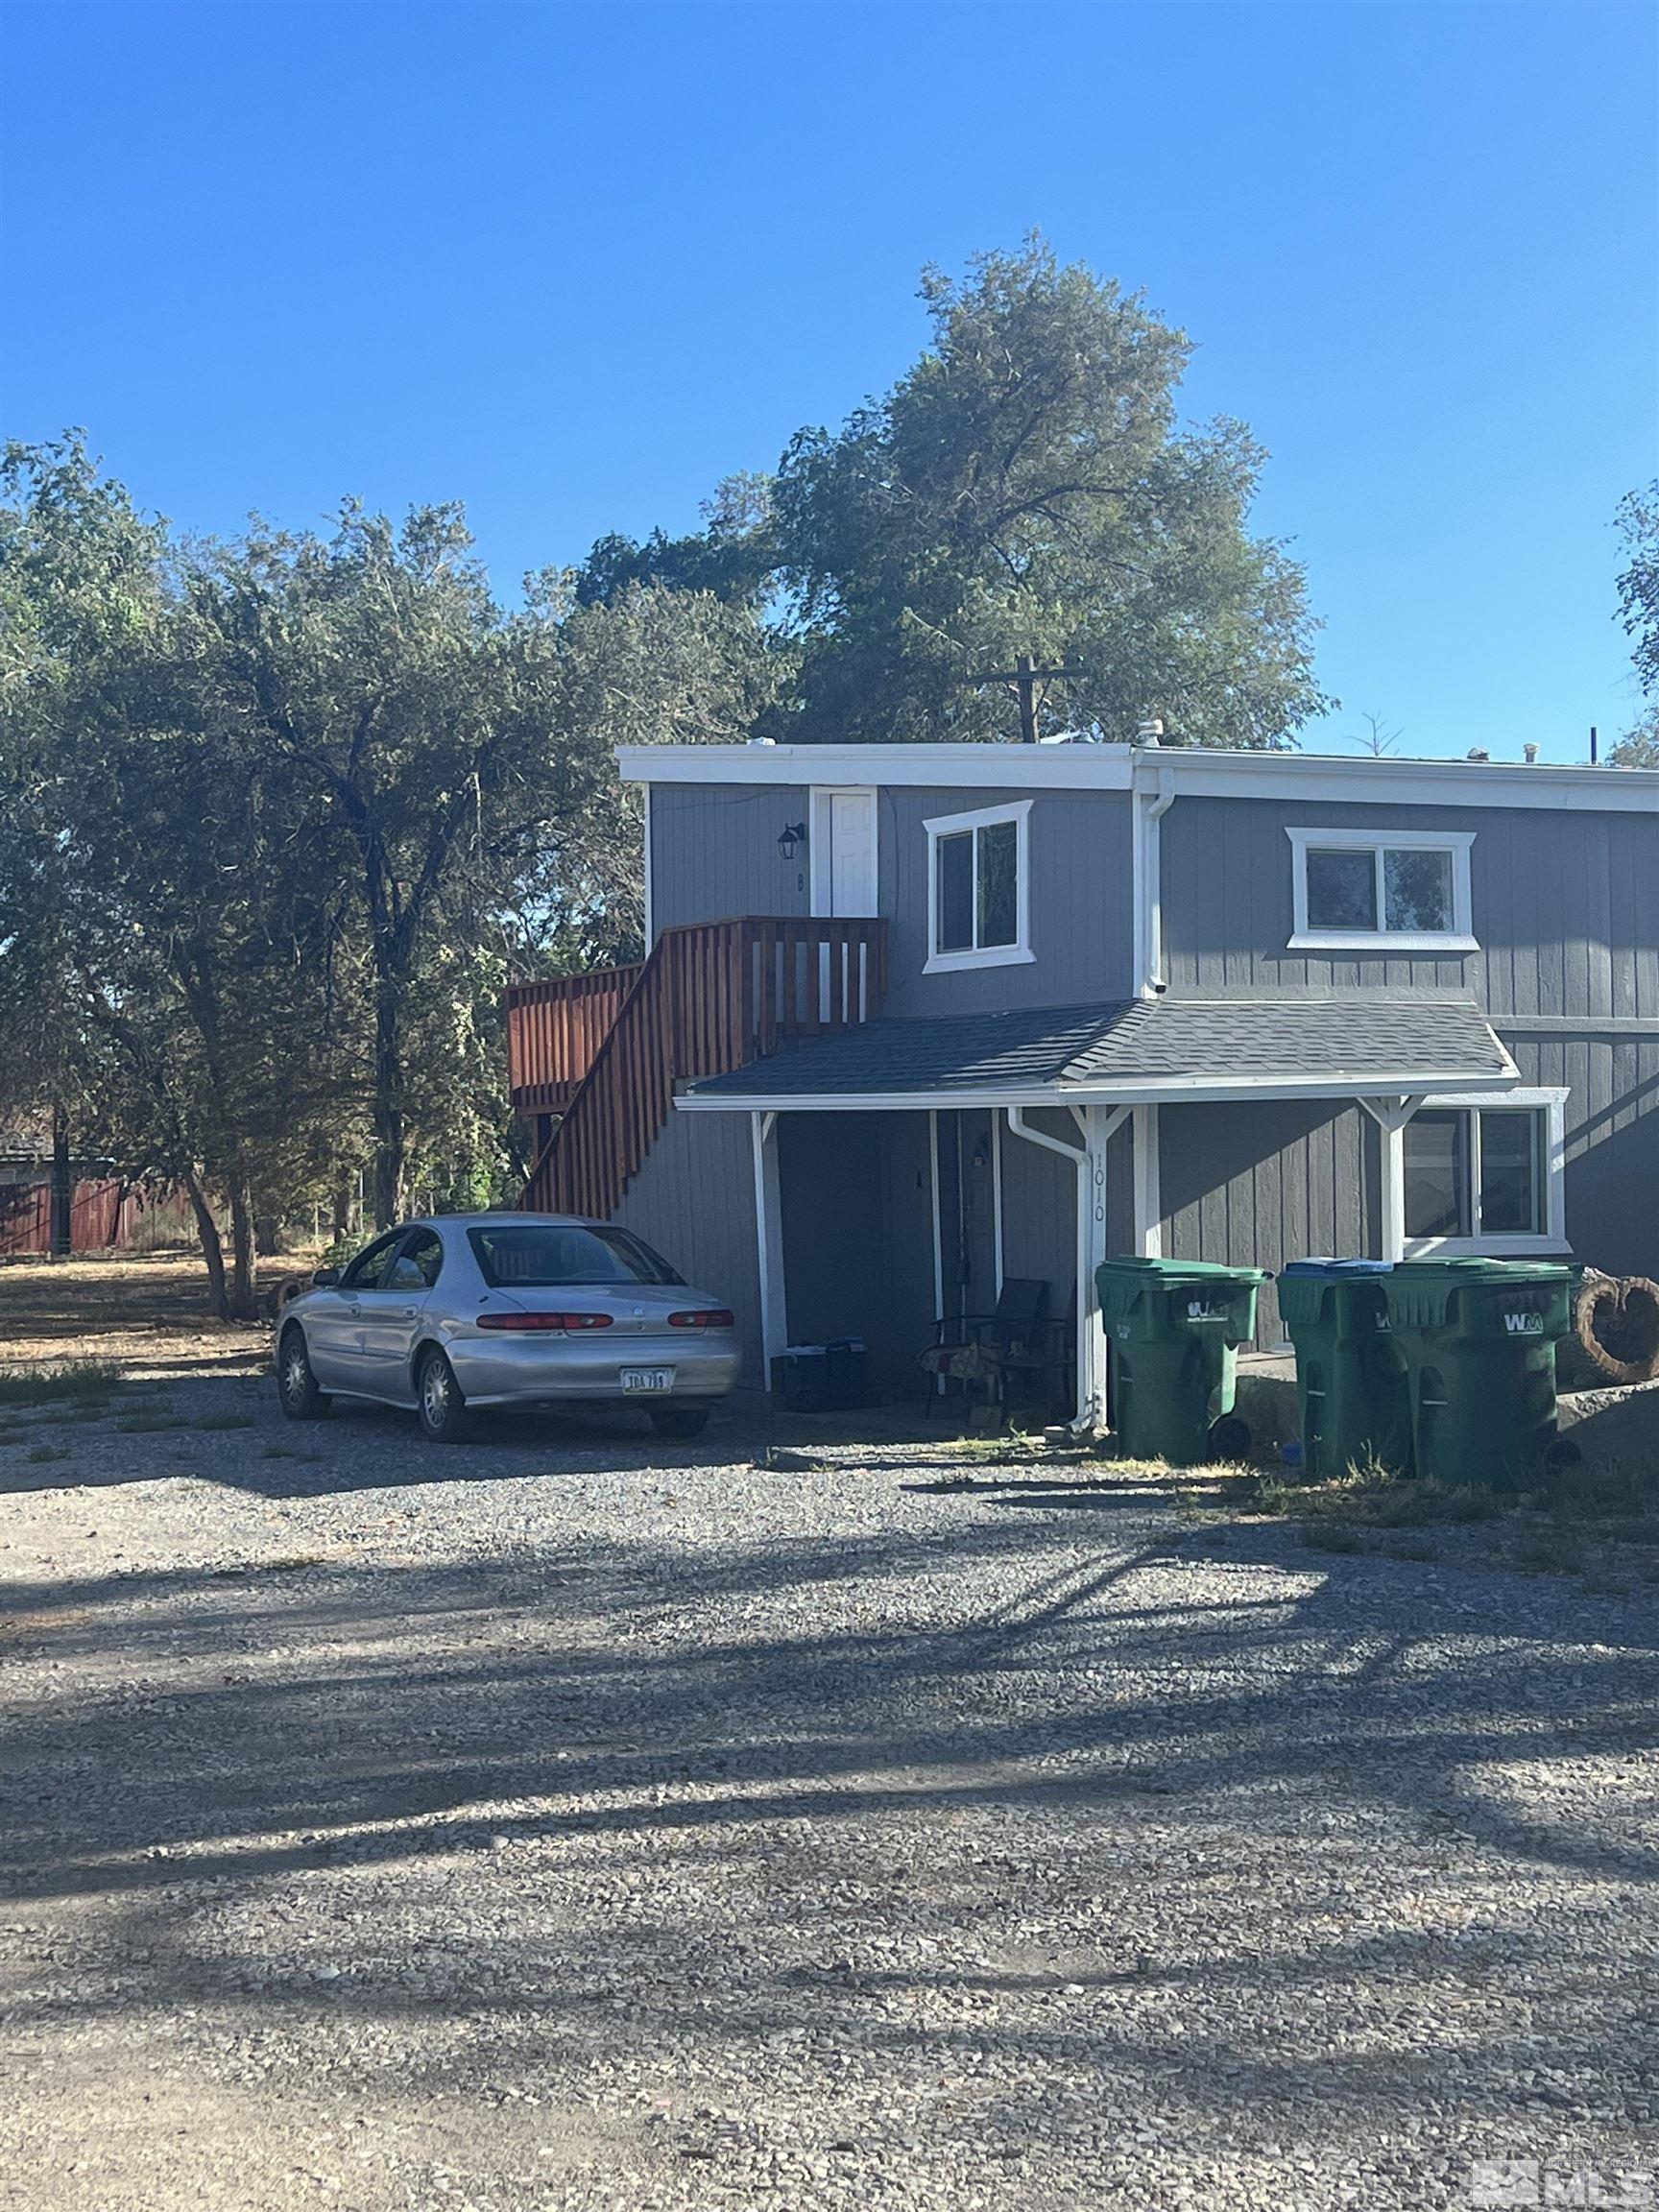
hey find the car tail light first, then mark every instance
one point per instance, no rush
(543, 1324)
(717, 1317)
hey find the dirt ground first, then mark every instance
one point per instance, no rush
(147, 1316)
(575, 1821)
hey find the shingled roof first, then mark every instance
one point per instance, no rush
(1159, 1047)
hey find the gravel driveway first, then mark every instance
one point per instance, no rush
(572, 1820)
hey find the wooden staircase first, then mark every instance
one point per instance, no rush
(606, 1049)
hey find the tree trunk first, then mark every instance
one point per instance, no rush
(63, 1236)
(212, 1250)
(389, 1138)
(340, 1217)
(243, 1293)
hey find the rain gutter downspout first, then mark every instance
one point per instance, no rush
(1154, 794)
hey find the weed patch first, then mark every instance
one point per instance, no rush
(46, 1454)
(224, 1421)
(1546, 1551)
(1417, 1547)
(1330, 1536)
(1371, 1498)
(148, 1424)
(82, 1379)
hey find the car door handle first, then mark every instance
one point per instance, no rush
(410, 1311)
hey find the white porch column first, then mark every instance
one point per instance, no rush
(1098, 1124)
(769, 1242)
(1149, 1199)
(1391, 1115)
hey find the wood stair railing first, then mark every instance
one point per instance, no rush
(712, 997)
(554, 1029)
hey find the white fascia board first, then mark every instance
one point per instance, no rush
(1198, 771)
(1147, 1089)
(934, 767)
(1206, 773)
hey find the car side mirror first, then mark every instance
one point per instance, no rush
(324, 1278)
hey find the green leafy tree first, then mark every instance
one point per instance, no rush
(1639, 747)
(1638, 522)
(463, 751)
(161, 886)
(1028, 488)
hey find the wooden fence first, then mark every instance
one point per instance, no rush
(104, 1214)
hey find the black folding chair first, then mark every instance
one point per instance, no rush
(984, 1349)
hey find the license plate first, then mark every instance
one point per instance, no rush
(636, 1379)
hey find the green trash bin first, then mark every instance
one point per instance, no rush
(1351, 1383)
(1478, 1338)
(1174, 1328)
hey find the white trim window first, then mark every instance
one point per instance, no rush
(1382, 891)
(979, 888)
(1482, 1175)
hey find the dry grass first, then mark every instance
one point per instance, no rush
(80, 1383)
(133, 1311)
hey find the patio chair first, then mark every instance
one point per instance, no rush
(982, 1350)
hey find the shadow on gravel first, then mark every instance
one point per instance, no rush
(231, 1431)
(682, 1700)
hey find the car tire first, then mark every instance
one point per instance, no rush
(296, 1384)
(443, 1414)
(680, 1423)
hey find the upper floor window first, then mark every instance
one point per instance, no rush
(1381, 890)
(979, 888)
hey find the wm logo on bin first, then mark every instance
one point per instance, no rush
(1200, 1309)
(1524, 1324)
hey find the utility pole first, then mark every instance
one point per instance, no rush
(1024, 677)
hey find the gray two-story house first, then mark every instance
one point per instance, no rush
(918, 1020)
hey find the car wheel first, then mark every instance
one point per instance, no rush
(681, 1422)
(443, 1414)
(296, 1384)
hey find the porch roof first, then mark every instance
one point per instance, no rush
(1160, 1048)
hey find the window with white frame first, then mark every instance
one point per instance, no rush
(1381, 890)
(979, 888)
(1483, 1175)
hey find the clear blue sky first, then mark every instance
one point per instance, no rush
(574, 264)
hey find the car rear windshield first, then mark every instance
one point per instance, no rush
(524, 1258)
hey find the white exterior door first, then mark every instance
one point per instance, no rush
(851, 853)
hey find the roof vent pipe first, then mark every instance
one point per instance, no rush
(1478, 753)
(1531, 753)
(1149, 731)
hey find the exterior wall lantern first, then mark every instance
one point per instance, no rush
(790, 838)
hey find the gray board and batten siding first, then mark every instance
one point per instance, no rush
(1565, 908)
(693, 1200)
(714, 853)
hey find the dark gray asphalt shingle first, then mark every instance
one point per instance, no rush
(1221, 1037)
(1205, 1041)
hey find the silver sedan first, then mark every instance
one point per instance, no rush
(476, 1310)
